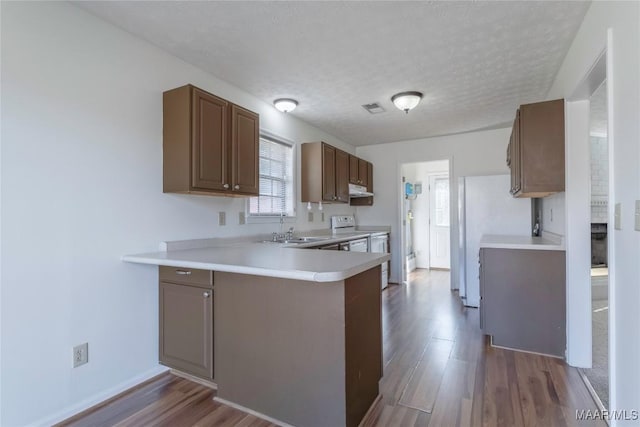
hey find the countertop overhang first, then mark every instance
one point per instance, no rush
(271, 260)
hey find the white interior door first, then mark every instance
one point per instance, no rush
(439, 221)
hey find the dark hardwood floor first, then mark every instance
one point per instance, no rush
(439, 372)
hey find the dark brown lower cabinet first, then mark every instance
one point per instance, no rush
(186, 326)
(522, 299)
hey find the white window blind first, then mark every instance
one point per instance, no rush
(276, 180)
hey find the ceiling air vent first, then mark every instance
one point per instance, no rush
(374, 108)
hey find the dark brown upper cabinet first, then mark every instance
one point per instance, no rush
(358, 171)
(353, 169)
(365, 201)
(363, 172)
(328, 173)
(245, 148)
(535, 153)
(210, 145)
(342, 176)
(324, 173)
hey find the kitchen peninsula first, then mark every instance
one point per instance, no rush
(296, 332)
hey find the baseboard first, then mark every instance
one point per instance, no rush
(96, 399)
(364, 419)
(592, 391)
(203, 382)
(251, 412)
(524, 351)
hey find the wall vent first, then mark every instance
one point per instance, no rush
(374, 108)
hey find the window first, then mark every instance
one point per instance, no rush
(276, 194)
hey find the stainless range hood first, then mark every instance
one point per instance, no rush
(356, 191)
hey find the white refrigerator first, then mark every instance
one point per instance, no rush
(485, 206)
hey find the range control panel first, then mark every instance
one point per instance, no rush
(342, 221)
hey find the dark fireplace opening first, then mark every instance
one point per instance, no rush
(598, 244)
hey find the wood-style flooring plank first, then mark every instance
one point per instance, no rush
(393, 416)
(455, 396)
(422, 389)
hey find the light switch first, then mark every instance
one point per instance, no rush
(637, 226)
(616, 217)
(222, 218)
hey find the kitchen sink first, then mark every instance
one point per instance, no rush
(313, 238)
(301, 239)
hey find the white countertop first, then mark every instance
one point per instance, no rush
(546, 242)
(265, 259)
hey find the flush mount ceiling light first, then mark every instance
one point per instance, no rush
(406, 101)
(285, 105)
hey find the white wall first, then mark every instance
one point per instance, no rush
(623, 77)
(476, 153)
(81, 186)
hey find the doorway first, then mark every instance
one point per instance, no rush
(598, 374)
(425, 220)
(585, 345)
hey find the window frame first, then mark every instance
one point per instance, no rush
(273, 218)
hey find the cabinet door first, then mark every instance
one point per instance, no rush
(363, 172)
(365, 201)
(482, 284)
(245, 140)
(209, 168)
(541, 141)
(186, 329)
(342, 176)
(516, 159)
(328, 173)
(353, 169)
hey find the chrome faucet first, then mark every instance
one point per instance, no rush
(289, 234)
(282, 235)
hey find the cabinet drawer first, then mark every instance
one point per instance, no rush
(187, 276)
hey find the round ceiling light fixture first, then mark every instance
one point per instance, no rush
(406, 101)
(285, 105)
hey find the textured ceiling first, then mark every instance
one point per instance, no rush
(598, 111)
(474, 61)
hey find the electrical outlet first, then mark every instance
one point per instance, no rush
(310, 216)
(551, 215)
(222, 218)
(241, 219)
(80, 354)
(637, 215)
(617, 214)
(322, 217)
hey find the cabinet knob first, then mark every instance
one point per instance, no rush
(236, 187)
(335, 197)
(206, 294)
(225, 186)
